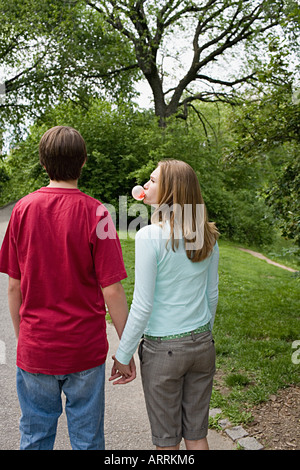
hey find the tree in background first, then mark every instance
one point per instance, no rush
(61, 56)
(71, 48)
(214, 29)
(51, 51)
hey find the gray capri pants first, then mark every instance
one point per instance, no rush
(177, 377)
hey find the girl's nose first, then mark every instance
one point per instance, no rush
(146, 185)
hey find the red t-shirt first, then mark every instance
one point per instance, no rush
(52, 245)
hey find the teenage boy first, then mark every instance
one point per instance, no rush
(61, 275)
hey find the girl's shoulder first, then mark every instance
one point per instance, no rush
(151, 232)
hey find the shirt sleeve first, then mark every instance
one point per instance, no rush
(141, 307)
(9, 263)
(106, 250)
(212, 290)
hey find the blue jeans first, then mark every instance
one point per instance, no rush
(41, 405)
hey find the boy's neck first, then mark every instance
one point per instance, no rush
(70, 184)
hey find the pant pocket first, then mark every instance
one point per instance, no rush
(140, 350)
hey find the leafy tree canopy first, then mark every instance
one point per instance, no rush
(54, 48)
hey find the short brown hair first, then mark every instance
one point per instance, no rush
(62, 152)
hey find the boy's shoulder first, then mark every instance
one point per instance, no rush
(24, 201)
(38, 203)
(89, 198)
(39, 194)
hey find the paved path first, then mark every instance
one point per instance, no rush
(126, 422)
(260, 256)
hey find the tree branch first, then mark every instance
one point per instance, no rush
(113, 20)
(227, 83)
(138, 18)
(206, 97)
(8, 83)
(110, 73)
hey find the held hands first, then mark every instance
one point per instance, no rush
(127, 373)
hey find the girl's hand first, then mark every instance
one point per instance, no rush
(127, 373)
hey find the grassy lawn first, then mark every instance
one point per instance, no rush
(256, 322)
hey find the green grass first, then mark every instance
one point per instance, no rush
(256, 322)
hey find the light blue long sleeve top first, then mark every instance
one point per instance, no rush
(172, 294)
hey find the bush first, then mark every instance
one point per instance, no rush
(4, 178)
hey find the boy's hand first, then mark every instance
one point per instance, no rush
(126, 372)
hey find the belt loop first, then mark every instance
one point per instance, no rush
(193, 335)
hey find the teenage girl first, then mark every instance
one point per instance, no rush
(174, 305)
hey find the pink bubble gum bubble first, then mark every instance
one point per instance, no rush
(138, 193)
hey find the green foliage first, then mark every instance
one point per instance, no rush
(265, 134)
(58, 50)
(115, 147)
(124, 146)
(4, 178)
(210, 30)
(265, 122)
(284, 199)
(63, 49)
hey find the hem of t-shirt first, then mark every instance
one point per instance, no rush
(10, 273)
(61, 371)
(178, 331)
(113, 279)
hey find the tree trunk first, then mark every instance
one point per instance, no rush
(160, 106)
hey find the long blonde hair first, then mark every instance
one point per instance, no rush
(179, 191)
